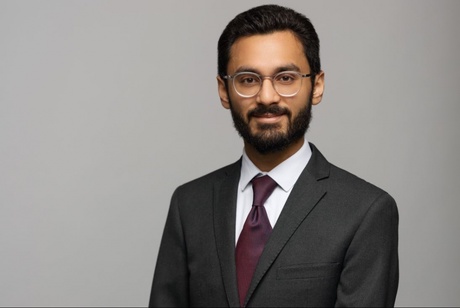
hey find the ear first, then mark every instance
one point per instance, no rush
(318, 88)
(223, 93)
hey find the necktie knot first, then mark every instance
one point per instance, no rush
(262, 187)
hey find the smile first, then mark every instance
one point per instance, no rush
(269, 117)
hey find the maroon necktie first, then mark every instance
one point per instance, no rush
(255, 233)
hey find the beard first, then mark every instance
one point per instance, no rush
(270, 138)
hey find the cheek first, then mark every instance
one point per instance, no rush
(306, 88)
(239, 105)
(299, 104)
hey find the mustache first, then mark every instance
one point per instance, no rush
(270, 109)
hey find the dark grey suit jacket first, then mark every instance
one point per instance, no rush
(335, 243)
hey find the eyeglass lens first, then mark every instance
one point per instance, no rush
(285, 83)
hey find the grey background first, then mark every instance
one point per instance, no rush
(107, 106)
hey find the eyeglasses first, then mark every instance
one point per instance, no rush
(248, 84)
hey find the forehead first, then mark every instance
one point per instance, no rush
(265, 53)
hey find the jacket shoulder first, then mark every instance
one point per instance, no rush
(356, 190)
(207, 181)
(342, 182)
(345, 178)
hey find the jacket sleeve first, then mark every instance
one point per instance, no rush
(370, 272)
(170, 281)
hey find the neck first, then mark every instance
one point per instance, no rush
(266, 162)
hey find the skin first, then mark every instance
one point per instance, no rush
(267, 54)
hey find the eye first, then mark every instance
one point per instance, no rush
(286, 77)
(247, 80)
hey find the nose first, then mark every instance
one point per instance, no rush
(267, 94)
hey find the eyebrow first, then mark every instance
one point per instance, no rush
(287, 67)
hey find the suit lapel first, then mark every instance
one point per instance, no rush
(306, 193)
(225, 194)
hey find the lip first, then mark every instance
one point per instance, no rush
(268, 117)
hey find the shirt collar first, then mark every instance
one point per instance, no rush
(285, 174)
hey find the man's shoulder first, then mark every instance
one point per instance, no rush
(344, 177)
(344, 183)
(210, 179)
(352, 189)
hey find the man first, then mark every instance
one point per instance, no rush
(309, 233)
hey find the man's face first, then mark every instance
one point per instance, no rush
(269, 122)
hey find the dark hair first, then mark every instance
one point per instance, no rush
(267, 19)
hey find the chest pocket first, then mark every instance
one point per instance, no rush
(309, 271)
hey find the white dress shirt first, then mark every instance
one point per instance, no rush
(285, 175)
